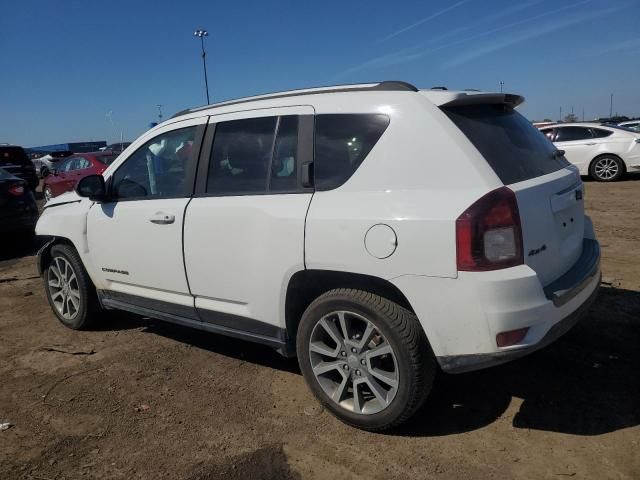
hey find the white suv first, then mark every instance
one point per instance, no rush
(376, 231)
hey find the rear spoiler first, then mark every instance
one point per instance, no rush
(508, 99)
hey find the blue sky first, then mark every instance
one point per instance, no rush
(66, 64)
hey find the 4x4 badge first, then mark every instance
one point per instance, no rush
(536, 251)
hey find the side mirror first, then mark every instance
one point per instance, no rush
(92, 187)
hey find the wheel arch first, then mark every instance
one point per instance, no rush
(307, 285)
(44, 253)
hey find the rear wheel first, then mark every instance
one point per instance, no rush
(69, 290)
(365, 358)
(606, 168)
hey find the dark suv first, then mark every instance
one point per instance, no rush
(15, 161)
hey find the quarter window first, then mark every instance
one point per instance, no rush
(569, 134)
(601, 133)
(158, 168)
(342, 142)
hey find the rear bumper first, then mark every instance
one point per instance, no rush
(461, 317)
(466, 363)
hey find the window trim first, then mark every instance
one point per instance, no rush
(190, 170)
(304, 155)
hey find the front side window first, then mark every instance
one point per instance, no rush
(241, 155)
(570, 134)
(342, 142)
(158, 168)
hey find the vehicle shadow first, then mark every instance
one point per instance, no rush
(586, 383)
(229, 347)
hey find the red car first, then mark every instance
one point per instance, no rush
(70, 170)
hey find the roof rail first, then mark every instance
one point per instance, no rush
(389, 85)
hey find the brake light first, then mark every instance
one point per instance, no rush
(489, 234)
(16, 189)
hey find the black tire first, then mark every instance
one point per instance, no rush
(416, 365)
(46, 194)
(44, 171)
(86, 313)
(606, 168)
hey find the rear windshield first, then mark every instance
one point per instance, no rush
(4, 175)
(13, 156)
(106, 159)
(515, 149)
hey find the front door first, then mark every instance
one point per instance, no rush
(244, 228)
(135, 238)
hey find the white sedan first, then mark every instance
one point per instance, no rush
(604, 152)
(632, 124)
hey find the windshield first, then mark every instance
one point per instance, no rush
(515, 149)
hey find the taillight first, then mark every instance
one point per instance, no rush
(16, 189)
(488, 233)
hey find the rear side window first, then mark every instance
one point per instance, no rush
(512, 146)
(600, 133)
(570, 134)
(240, 156)
(342, 142)
(13, 156)
(106, 159)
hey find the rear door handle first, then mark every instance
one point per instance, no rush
(161, 218)
(590, 144)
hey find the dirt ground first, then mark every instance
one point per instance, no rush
(143, 399)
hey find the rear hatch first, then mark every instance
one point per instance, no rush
(15, 161)
(548, 190)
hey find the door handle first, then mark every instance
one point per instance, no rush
(591, 144)
(161, 218)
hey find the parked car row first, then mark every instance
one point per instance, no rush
(66, 174)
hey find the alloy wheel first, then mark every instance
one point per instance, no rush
(64, 288)
(353, 362)
(606, 168)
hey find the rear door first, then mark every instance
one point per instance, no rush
(549, 191)
(578, 144)
(244, 228)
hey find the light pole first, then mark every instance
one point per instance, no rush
(611, 106)
(203, 33)
(159, 105)
(501, 85)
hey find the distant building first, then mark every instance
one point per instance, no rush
(75, 147)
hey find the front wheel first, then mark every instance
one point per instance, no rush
(69, 290)
(365, 358)
(606, 168)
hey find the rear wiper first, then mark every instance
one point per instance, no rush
(557, 154)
